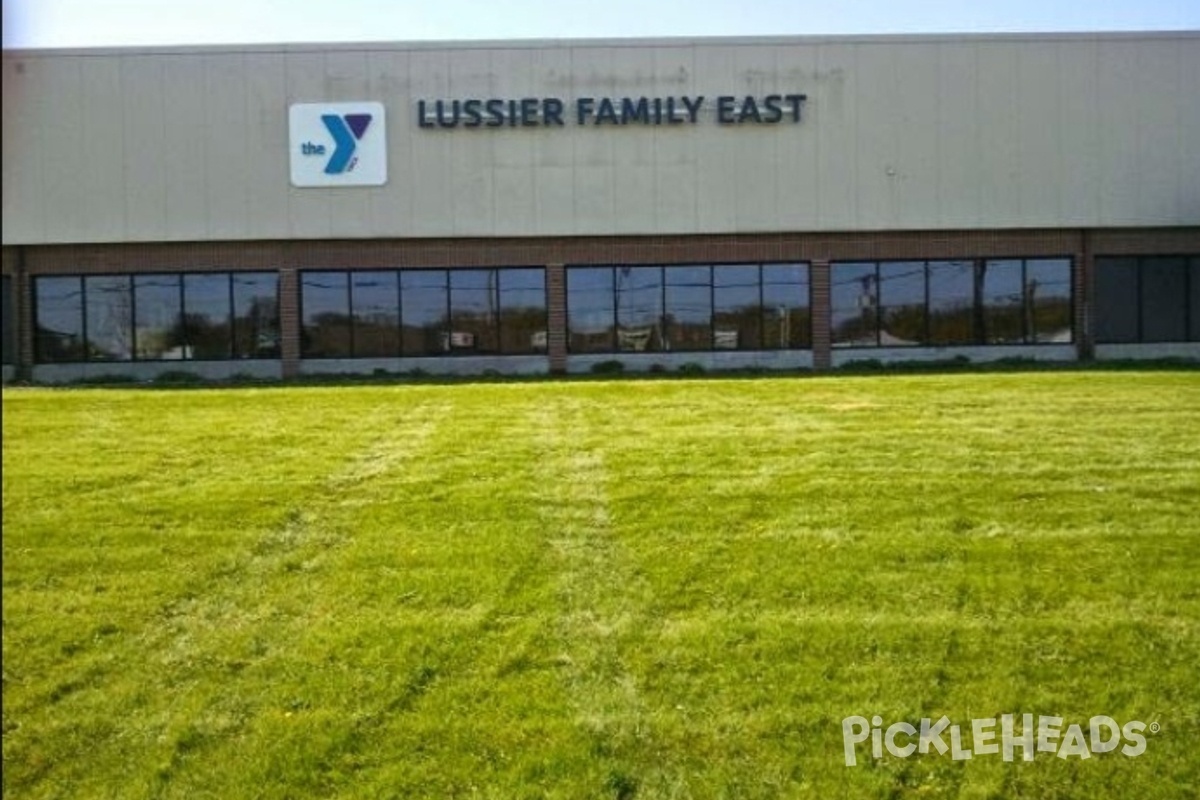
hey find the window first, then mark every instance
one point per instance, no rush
(951, 303)
(6, 319)
(854, 295)
(375, 310)
(785, 303)
(1048, 300)
(59, 326)
(207, 305)
(688, 308)
(688, 301)
(109, 314)
(424, 311)
(255, 315)
(523, 319)
(325, 315)
(902, 318)
(158, 327)
(737, 307)
(639, 301)
(474, 311)
(591, 313)
(1147, 299)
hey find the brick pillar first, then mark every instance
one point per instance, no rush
(556, 300)
(289, 322)
(1083, 282)
(822, 348)
(22, 289)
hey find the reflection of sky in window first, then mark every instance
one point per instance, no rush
(374, 295)
(324, 293)
(423, 296)
(109, 309)
(590, 298)
(784, 285)
(473, 291)
(689, 297)
(157, 300)
(206, 295)
(60, 305)
(1002, 283)
(522, 288)
(902, 283)
(639, 295)
(735, 287)
(951, 284)
(1053, 276)
(849, 283)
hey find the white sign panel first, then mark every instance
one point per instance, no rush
(338, 144)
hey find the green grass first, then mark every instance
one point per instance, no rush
(650, 589)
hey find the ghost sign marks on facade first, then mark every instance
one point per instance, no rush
(554, 112)
(337, 144)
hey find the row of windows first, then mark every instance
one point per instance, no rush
(947, 303)
(209, 316)
(688, 308)
(610, 309)
(377, 314)
(1147, 300)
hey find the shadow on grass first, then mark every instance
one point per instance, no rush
(182, 380)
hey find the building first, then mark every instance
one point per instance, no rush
(550, 206)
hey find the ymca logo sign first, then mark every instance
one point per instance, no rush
(337, 144)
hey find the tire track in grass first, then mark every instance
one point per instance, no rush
(186, 636)
(602, 599)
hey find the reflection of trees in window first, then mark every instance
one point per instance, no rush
(58, 329)
(256, 315)
(787, 322)
(854, 298)
(424, 312)
(688, 304)
(159, 327)
(639, 302)
(375, 310)
(737, 307)
(325, 315)
(523, 321)
(948, 303)
(591, 314)
(207, 305)
(474, 311)
(109, 317)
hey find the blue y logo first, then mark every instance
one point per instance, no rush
(345, 132)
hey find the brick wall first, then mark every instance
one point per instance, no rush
(555, 252)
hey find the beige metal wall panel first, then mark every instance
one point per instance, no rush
(898, 133)
(266, 168)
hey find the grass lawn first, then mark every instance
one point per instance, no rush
(631, 589)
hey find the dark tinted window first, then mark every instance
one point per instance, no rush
(474, 311)
(1194, 298)
(1164, 299)
(6, 318)
(325, 320)
(1116, 309)
(951, 303)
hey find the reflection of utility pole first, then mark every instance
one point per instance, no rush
(1030, 303)
(783, 326)
(980, 274)
(866, 301)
